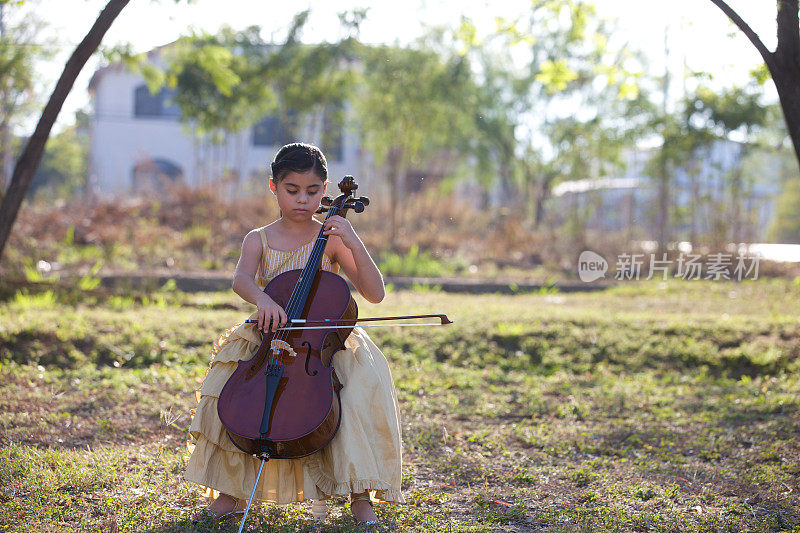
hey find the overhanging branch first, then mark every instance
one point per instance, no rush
(748, 31)
(32, 153)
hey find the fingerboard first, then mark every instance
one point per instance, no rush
(297, 302)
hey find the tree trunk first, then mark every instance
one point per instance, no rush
(6, 154)
(694, 196)
(663, 205)
(788, 86)
(631, 218)
(736, 203)
(399, 198)
(394, 175)
(785, 69)
(32, 154)
(542, 189)
(783, 64)
(5, 137)
(542, 192)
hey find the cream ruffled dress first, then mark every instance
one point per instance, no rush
(365, 453)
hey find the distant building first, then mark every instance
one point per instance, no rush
(700, 195)
(138, 143)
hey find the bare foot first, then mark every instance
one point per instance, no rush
(362, 511)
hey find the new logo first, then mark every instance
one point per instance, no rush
(591, 266)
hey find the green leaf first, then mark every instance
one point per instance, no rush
(467, 34)
(217, 62)
(761, 74)
(555, 75)
(153, 76)
(628, 91)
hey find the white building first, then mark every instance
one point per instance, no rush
(138, 143)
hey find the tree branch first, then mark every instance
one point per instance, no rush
(32, 154)
(769, 57)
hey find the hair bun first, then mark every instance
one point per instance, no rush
(301, 158)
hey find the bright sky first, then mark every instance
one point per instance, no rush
(698, 32)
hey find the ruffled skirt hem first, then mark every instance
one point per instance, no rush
(379, 490)
(368, 442)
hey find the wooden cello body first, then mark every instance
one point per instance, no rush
(284, 402)
(305, 412)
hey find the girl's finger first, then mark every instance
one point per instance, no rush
(333, 221)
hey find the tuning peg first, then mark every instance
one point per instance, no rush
(326, 200)
(363, 199)
(322, 210)
(357, 206)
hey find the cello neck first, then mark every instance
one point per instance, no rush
(339, 206)
(301, 291)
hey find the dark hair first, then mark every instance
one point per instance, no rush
(300, 158)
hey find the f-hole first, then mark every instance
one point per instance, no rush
(308, 356)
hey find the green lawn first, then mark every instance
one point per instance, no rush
(647, 407)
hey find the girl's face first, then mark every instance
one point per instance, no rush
(298, 194)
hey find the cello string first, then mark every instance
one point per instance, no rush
(303, 287)
(311, 268)
(306, 278)
(289, 311)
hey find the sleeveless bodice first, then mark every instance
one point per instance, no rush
(274, 262)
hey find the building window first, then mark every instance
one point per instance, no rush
(159, 105)
(155, 175)
(272, 131)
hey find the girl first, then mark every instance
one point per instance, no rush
(364, 457)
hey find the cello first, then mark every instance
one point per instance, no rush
(284, 403)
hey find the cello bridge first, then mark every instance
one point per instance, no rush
(277, 346)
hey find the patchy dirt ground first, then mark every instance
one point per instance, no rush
(642, 409)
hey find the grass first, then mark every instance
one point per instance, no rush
(418, 264)
(648, 407)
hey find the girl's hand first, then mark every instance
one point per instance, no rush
(270, 314)
(340, 226)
